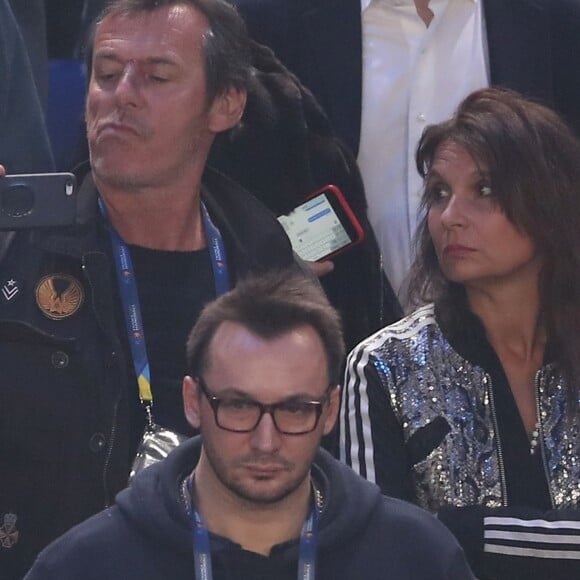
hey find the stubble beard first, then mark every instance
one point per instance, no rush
(117, 176)
(257, 497)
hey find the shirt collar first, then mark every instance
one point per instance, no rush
(364, 4)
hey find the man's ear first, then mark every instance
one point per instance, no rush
(331, 413)
(191, 402)
(227, 110)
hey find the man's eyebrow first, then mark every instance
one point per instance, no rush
(234, 392)
(161, 60)
(111, 55)
(106, 54)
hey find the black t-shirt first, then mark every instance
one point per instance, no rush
(173, 288)
(231, 562)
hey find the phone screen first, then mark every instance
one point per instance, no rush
(315, 229)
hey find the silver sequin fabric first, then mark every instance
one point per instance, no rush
(426, 378)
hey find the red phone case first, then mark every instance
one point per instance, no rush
(360, 234)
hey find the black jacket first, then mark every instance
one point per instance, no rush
(64, 441)
(284, 150)
(147, 535)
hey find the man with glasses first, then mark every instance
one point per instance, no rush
(254, 496)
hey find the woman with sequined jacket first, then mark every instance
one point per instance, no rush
(469, 406)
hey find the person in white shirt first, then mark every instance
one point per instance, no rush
(407, 48)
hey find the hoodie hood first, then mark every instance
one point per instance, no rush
(350, 502)
(152, 504)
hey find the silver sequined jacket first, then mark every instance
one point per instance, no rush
(420, 420)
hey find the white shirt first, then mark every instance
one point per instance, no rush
(413, 76)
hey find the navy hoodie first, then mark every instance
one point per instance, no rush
(147, 535)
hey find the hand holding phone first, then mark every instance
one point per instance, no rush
(321, 268)
(323, 226)
(37, 200)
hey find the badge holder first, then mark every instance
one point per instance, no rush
(156, 443)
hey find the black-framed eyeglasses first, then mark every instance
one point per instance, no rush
(240, 415)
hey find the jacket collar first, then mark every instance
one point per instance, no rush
(252, 235)
(466, 334)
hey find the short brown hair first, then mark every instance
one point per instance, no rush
(269, 306)
(226, 46)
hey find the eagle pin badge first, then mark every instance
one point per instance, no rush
(59, 296)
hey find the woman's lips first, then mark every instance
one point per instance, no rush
(457, 250)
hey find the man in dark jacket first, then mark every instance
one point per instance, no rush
(158, 235)
(254, 497)
(282, 151)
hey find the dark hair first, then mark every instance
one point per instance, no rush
(533, 161)
(226, 45)
(269, 306)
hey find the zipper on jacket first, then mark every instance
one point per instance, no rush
(113, 432)
(541, 436)
(112, 437)
(499, 448)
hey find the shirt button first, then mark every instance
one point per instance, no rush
(59, 359)
(111, 360)
(421, 118)
(97, 443)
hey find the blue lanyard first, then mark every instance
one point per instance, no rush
(217, 252)
(130, 296)
(306, 554)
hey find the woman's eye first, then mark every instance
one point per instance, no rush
(485, 190)
(436, 193)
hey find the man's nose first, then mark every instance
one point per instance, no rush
(129, 86)
(265, 436)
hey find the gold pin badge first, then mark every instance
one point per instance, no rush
(59, 296)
